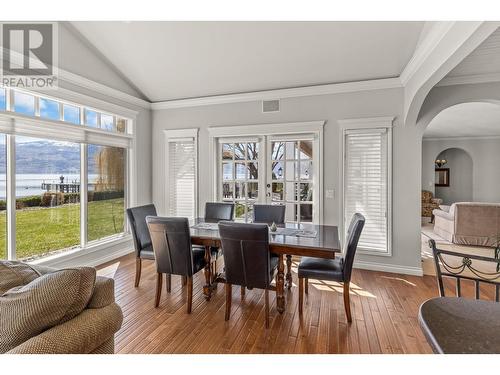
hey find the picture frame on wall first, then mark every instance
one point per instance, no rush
(442, 177)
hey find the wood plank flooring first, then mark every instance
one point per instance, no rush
(384, 309)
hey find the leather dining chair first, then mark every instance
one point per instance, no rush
(338, 269)
(174, 253)
(269, 213)
(142, 240)
(215, 212)
(247, 260)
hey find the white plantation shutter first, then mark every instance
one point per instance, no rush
(182, 177)
(366, 186)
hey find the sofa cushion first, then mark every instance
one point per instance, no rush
(14, 274)
(48, 300)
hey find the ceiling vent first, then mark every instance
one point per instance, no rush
(270, 105)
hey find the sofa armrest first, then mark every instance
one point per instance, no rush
(104, 293)
(83, 334)
(444, 214)
(437, 201)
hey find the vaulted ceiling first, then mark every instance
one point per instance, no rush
(174, 60)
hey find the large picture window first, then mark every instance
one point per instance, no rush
(64, 170)
(106, 191)
(47, 196)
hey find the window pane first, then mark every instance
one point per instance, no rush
(277, 194)
(252, 151)
(239, 151)
(253, 171)
(2, 100)
(49, 109)
(107, 122)
(239, 211)
(91, 118)
(227, 171)
(106, 183)
(71, 114)
(306, 170)
(3, 198)
(47, 196)
(290, 170)
(24, 103)
(227, 151)
(253, 190)
(305, 192)
(227, 190)
(291, 150)
(278, 150)
(121, 125)
(306, 212)
(306, 150)
(278, 170)
(239, 191)
(241, 171)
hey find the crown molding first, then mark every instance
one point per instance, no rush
(467, 138)
(334, 88)
(469, 79)
(77, 80)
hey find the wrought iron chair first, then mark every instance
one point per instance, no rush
(465, 269)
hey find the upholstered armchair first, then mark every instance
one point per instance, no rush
(429, 203)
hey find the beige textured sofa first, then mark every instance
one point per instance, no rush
(468, 223)
(91, 330)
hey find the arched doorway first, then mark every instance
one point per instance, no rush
(459, 170)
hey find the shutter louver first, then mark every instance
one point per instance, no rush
(182, 178)
(366, 186)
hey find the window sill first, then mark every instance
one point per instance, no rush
(91, 255)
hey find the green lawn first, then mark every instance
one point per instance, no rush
(42, 230)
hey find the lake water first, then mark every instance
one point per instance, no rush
(31, 184)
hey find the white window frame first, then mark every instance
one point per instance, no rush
(315, 128)
(172, 136)
(370, 123)
(13, 123)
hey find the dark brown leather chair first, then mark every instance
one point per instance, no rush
(218, 211)
(269, 213)
(247, 259)
(338, 269)
(215, 212)
(140, 233)
(174, 253)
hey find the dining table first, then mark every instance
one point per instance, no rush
(288, 240)
(457, 325)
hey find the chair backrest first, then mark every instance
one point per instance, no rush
(171, 244)
(137, 219)
(478, 269)
(351, 244)
(246, 254)
(217, 211)
(267, 213)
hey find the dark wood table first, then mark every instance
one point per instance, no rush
(461, 326)
(324, 245)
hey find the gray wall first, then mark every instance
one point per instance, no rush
(484, 181)
(406, 144)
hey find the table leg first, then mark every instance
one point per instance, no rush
(289, 271)
(280, 286)
(207, 288)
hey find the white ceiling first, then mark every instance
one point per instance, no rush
(485, 59)
(466, 120)
(175, 60)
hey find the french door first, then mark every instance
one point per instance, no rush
(270, 169)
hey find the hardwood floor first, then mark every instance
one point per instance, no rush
(384, 309)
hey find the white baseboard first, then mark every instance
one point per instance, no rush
(90, 257)
(372, 266)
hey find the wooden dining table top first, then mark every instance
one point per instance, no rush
(325, 243)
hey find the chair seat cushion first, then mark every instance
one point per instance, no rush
(321, 269)
(198, 259)
(147, 253)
